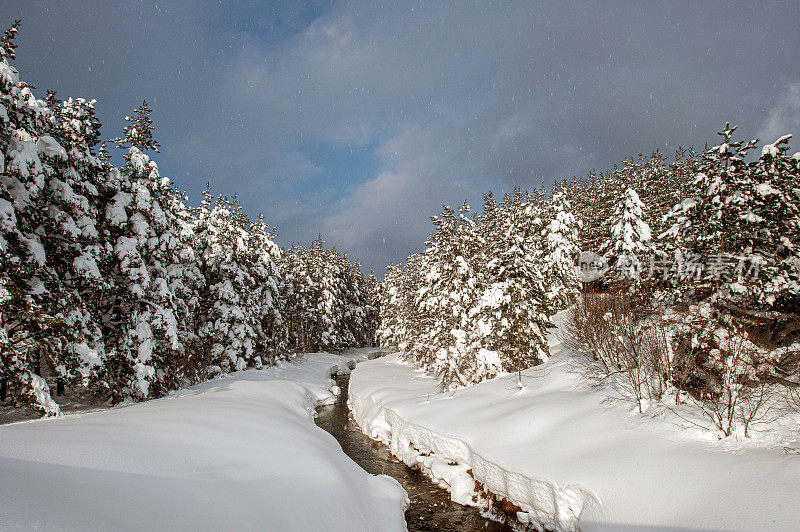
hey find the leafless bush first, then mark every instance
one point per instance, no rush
(644, 354)
(730, 378)
(792, 396)
(619, 343)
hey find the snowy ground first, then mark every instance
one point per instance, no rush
(571, 458)
(234, 453)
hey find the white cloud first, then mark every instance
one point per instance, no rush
(784, 118)
(458, 99)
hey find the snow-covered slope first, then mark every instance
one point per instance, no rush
(569, 457)
(234, 453)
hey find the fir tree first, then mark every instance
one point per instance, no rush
(139, 131)
(229, 325)
(513, 312)
(156, 272)
(561, 250)
(8, 45)
(744, 214)
(630, 240)
(49, 246)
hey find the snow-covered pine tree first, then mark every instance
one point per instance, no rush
(744, 215)
(512, 315)
(712, 221)
(373, 309)
(328, 313)
(776, 214)
(75, 242)
(298, 297)
(630, 240)
(26, 325)
(155, 272)
(449, 292)
(719, 189)
(230, 326)
(138, 132)
(49, 247)
(603, 197)
(401, 323)
(659, 185)
(581, 195)
(561, 248)
(265, 295)
(325, 299)
(345, 292)
(391, 310)
(407, 326)
(356, 303)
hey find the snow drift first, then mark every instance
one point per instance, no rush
(240, 452)
(568, 457)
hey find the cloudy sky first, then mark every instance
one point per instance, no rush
(358, 120)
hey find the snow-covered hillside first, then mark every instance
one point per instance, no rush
(234, 453)
(571, 458)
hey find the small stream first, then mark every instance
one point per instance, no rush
(431, 507)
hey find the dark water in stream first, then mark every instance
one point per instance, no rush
(431, 507)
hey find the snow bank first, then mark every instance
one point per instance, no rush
(570, 458)
(233, 453)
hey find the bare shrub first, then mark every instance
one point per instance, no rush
(792, 397)
(620, 344)
(644, 354)
(718, 361)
